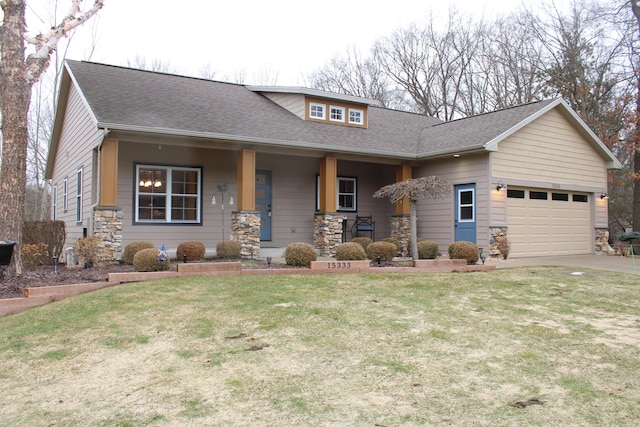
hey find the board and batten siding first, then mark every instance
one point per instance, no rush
(550, 150)
(78, 138)
(436, 217)
(292, 102)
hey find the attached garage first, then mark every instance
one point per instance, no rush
(548, 222)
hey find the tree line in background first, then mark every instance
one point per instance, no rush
(462, 66)
(587, 54)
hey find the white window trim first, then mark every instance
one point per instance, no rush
(54, 206)
(356, 122)
(337, 108)
(338, 179)
(65, 194)
(324, 111)
(168, 194)
(79, 184)
(472, 204)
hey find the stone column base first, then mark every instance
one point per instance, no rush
(498, 241)
(245, 228)
(602, 246)
(327, 233)
(401, 231)
(107, 225)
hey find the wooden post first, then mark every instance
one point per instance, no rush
(247, 180)
(109, 172)
(328, 181)
(403, 172)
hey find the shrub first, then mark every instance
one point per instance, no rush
(194, 251)
(86, 249)
(362, 241)
(32, 253)
(229, 249)
(394, 241)
(503, 246)
(427, 249)
(147, 260)
(350, 251)
(418, 239)
(464, 250)
(385, 250)
(300, 254)
(51, 233)
(133, 248)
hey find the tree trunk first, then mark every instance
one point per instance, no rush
(15, 95)
(414, 228)
(636, 166)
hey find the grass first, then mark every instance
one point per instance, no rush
(398, 349)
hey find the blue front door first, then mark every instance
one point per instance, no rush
(465, 220)
(263, 202)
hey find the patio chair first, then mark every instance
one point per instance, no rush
(364, 224)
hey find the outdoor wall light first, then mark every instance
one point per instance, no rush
(603, 195)
(500, 186)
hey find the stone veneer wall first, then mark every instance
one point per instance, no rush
(602, 241)
(401, 231)
(498, 234)
(107, 225)
(245, 228)
(327, 234)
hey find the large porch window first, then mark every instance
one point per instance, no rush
(167, 194)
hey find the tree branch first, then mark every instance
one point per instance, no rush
(45, 44)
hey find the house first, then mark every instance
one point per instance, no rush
(139, 155)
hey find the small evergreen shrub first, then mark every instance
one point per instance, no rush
(147, 260)
(385, 250)
(86, 249)
(133, 248)
(362, 241)
(464, 250)
(229, 249)
(194, 250)
(427, 249)
(350, 251)
(32, 254)
(300, 254)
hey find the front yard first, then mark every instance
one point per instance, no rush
(359, 349)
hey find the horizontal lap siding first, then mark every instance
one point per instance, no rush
(436, 216)
(549, 150)
(292, 102)
(79, 135)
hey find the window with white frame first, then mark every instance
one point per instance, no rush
(356, 117)
(317, 111)
(336, 114)
(65, 195)
(346, 193)
(54, 208)
(79, 196)
(167, 194)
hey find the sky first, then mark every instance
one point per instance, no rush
(284, 39)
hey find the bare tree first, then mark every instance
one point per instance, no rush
(19, 72)
(414, 189)
(635, 61)
(157, 65)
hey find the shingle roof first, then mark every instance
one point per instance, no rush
(128, 99)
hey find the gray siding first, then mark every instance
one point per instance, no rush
(292, 102)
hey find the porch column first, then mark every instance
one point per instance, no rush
(245, 222)
(109, 172)
(400, 222)
(107, 218)
(327, 233)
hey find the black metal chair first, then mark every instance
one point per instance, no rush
(364, 224)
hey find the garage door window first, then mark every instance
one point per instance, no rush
(583, 198)
(515, 194)
(562, 197)
(538, 195)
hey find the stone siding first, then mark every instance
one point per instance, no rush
(107, 225)
(327, 234)
(401, 231)
(498, 238)
(602, 242)
(245, 228)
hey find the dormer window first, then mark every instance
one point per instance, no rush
(356, 117)
(336, 114)
(317, 111)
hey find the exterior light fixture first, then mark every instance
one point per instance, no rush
(604, 195)
(500, 186)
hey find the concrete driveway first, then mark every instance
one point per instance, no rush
(599, 262)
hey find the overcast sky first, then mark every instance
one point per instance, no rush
(287, 38)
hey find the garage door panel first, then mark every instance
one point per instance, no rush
(548, 227)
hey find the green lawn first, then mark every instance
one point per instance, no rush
(359, 350)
